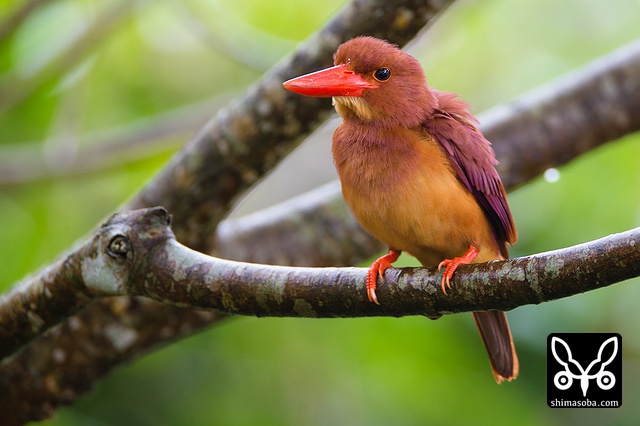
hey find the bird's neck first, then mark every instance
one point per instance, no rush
(369, 157)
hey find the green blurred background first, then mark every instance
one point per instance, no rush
(83, 127)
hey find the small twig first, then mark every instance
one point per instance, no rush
(23, 163)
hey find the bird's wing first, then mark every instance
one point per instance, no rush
(473, 160)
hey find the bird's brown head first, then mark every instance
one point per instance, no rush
(372, 81)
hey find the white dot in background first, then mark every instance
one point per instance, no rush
(552, 175)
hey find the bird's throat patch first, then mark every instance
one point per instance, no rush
(356, 105)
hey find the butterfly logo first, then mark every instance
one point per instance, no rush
(574, 371)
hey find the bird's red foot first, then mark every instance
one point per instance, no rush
(452, 264)
(376, 269)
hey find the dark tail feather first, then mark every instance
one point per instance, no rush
(496, 336)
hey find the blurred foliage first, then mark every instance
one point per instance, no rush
(148, 58)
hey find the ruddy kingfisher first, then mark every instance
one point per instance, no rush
(416, 172)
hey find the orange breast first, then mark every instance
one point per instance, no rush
(402, 190)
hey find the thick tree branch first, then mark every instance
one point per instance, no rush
(135, 253)
(65, 363)
(90, 271)
(176, 274)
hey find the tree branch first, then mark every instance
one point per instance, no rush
(176, 274)
(39, 303)
(312, 229)
(23, 163)
(135, 253)
(555, 123)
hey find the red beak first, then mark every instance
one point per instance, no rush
(334, 81)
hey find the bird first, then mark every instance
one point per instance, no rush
(416, 172)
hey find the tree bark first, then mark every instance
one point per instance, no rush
(135, 253)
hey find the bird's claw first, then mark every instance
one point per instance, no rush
(376, 270)
(371, 294)
(452, 264)
(372, 276)
(450, 267)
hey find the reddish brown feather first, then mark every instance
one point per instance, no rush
(493, 328)
(473, 160)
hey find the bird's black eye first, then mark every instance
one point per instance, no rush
(382, 74)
